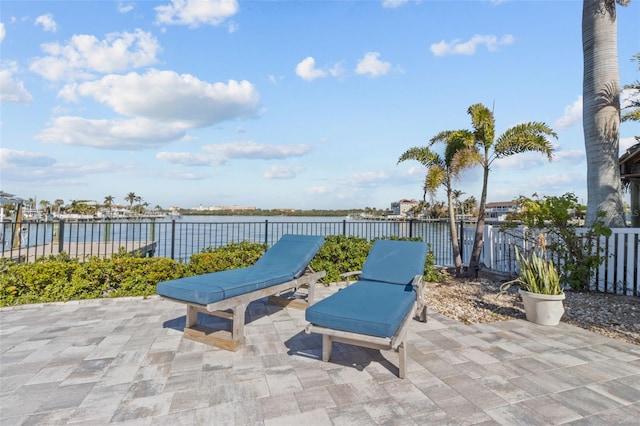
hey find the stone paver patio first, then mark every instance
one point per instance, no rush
(124, 361)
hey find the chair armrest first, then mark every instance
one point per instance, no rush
(346, 276)
(421, 306)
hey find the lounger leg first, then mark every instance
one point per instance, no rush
(192, 317)
(327, 345)
(238, 322)
(311, 295)
(422, 314)
(402, 352)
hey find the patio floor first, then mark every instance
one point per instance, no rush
(124, 361)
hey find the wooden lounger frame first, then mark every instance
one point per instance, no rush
(234, 309)
(396, 343)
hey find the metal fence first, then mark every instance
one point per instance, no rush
(179, 239)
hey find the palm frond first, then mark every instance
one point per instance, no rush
(435, 177)
(526, 137)
(423, 155)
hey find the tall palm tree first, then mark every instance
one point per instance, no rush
(601, 110)
(441, 171)
(526, 137)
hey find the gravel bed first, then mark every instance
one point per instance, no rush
(473, 301)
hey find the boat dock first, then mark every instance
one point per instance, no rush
(79, 251)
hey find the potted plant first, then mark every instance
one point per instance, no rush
(540, 288)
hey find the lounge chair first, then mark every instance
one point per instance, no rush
(374, 311)
(226, 294)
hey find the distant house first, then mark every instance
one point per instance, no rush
(403, 207)
(630, 174)
(499, 210)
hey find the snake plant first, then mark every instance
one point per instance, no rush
(537, 275)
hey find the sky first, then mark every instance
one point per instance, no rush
(285, 104)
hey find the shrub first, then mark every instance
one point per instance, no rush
(341, 254)
(60, 278)
(231, 256)
(576, 248)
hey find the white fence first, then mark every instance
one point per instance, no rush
(619, 274)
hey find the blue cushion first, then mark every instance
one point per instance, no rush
(365, 307)
(287, 259)
(395, 262)
(291, 254)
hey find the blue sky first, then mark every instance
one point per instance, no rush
(284, 104)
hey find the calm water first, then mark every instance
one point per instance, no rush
(180, 238)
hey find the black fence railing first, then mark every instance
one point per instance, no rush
(179, 239)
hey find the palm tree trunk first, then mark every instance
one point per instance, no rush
(455, 244)
(478, 241)
(601, 111)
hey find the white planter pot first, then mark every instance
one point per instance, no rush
(543, 309)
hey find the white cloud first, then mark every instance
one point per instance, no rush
(369, 178)
(26, 166)
(392, 4)
(168, 97)
(256, 151)
(370, 64)
(572, 157)
(232, 27)
(47, 22)
(3, 31)
(19, 158)
(189, 159)
(572, 115)
(221, 153)
(11, 89)
(307, 70)
(132, 134)
(457, 47)
(158, 108)
(196, 12)
(125, 7)
(283, 172)
(522, 161)
(84, 55)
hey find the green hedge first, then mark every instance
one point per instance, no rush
(61, 278)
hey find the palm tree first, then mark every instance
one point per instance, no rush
(44, 206)
(58, 203)
(131, 197)
(456, 194)
(601, 110)
(441, 171)
(469, 206)
(526, 137)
